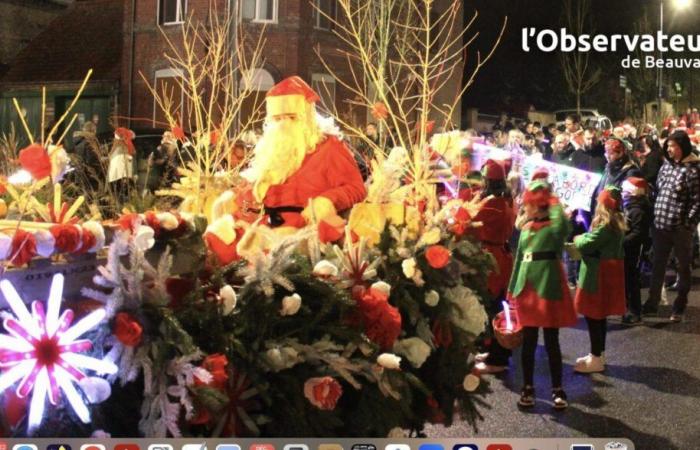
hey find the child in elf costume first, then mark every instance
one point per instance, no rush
(601, 283)
(538, 287)
(498, 219)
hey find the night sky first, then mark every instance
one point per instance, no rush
(513, 79)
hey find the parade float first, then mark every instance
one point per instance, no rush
(208, 320)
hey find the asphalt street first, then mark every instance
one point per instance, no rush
(649, 393)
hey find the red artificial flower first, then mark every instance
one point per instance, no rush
(67, 238)
(442, 334)
(216, 365)
(127, 330)
(129, 222)
(379, 111)
(88, 241)
(438, 256)
(23, 248)
(35, 160)
(225, 254)
(328, 233)
(323, 392)
(153, 222)
(177, 289)
(462, 220)
(179, 133)
(382, 321)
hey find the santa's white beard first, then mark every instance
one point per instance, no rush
(279, 153)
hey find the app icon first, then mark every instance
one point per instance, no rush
(397, 447)
(499, 447)
(94, 447)
(262, 447)
(202, 446)
(25, 447)
(58, 447)
(582, 447)
(126, 447)
(364, 447)
(431, 447)
(465, 447)
(330, 447)
(227, 447)
(296, 447)
(159, 447)
(615, 446)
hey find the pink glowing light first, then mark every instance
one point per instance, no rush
(40, 353)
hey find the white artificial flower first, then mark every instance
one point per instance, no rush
(325, 268)
(432, 298)
(471, 382)
(96, 389)
(409, 267)
(430, 237)
(290, 305)
(389, 361)
(144, 238)
(414, 349)
(168, 221)
(228, 295)
(282, 358)
(383, 287)
(45, 243)
(98, 231)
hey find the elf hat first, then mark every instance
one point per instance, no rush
(493, 170)
(635, 186)
(610, 197)
(127, 136)
(290, 96)
(541, 173)
(538, 193)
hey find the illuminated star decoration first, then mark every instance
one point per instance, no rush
(41, 352)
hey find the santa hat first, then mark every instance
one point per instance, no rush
(494, 171)
(127, 136)
(538, 193)
(610, 197)
(635, 186)
(290, 96)
(617, 142)
(541, 173)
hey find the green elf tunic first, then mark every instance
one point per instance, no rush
(601, 281)
(538, 287)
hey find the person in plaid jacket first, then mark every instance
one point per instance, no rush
(676, 215)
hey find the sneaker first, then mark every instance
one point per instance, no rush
(631, 319)
(676, 318)
(559, 398)
(589, 364)
(484, 368)
(527, 397)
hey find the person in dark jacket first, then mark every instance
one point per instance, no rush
(620, 167)
(648, 152)
(638, 217)
(563, 150)
(676, 216)
(591, 157)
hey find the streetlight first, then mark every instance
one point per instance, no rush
(678, 5)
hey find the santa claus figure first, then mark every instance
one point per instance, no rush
(299, 174)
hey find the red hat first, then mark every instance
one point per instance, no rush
(538, 193)
(494, 170)
(541, 173)
(127, 136)
(610, 197)
(290, 96)
(635, 186)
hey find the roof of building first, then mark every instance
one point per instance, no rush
(89, 35)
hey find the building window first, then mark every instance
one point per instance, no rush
(260, 10)
(324, 11)
(324, 85)
(171, 11)
(167, 83)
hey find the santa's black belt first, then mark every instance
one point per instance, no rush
(275, 214)
(539, 256)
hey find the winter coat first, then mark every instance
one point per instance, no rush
(615, 174)
(590, 160)
(638, 216)
(678, 194)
